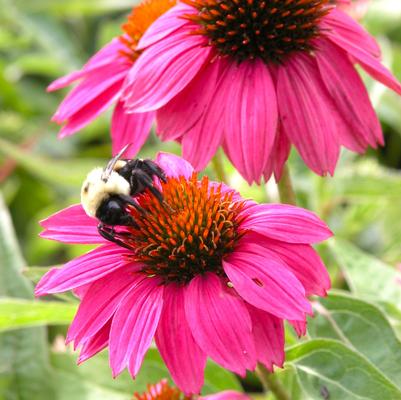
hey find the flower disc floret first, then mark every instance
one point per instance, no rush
(189, 233)
(269, 30)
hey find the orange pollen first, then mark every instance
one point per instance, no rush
(265, 29)
(141, 17)
(190, 233)
(161, 391)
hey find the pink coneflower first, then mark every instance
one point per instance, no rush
(163, 391)
(256, 77)
(207, 273)
(101, 80)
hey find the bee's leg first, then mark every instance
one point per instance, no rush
(130, 201)
(140, 180)
(109, 234)
(152, 169)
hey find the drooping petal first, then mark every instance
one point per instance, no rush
(180, 114)
(302, 260)
(349, 29)
(100, 303)
(163, 70)
(306, 112)
(226, 395)
(71, 225)
(251, 118)
(182, 355)
(95, 344)
(299, 327)
(266, 283)
(268, 332)
(369, 63)
(174, 166)
(286, 223)
(82, 270)
(130, 128)
(349, 94)
(220, 323)
(134, 325)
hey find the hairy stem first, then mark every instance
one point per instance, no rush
(217, 162)
(271, 383)
(285, 188)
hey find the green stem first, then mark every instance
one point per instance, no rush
(285, 188)
(217, 162)
(271, 383)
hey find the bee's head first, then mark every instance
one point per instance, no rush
(96, 189)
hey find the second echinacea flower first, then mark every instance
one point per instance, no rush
(257, 77)
(207, 273)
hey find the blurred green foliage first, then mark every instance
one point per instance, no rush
(41, 40)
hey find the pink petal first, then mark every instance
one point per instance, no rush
(369, 63)
(92, 110)
(163, 70)
(134, 325)
(299, 327)
(286, 223)
(306, 112)
(220, 323)
(71, 225)
(82, 270)
(279, 155)
(183, 357)
(251, 118)
(268, 332)
(349, 94)
(180, 114)
(108, 54)
(95, 344)
(266, 283)
(100, 303)
(301, 259)
(165, 25)
(226, 395)
(174, 166)
(93, 86)
(130, 128)
(350, 30)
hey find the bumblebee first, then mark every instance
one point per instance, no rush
(107, 192)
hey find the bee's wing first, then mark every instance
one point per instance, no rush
(110, 166)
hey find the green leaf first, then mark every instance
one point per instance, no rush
(327, 368)
(25, 370)
(363, 328)
(366, 275)
(24, 313)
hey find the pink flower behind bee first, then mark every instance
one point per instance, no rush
(207, 274)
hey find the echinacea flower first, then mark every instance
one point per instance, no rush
(163, 391)
(257, 77)
(101, 80)
(206, 273)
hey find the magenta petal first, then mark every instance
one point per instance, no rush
(71, 225)
(286, 223)
(308, 114)
(268, 332)
(349, 29)
(302, 260)
(85, 269)
(183, 357)
(134, 325)
(95, 344)
(349, 94)
(100, 303)
(299, 327)
(130, 128)
(163, 70)
(226, 395)
(266, 283)
(220, 323)
(174, 166)
(251, 118)
(369, 63)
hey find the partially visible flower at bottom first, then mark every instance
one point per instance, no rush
(207, 274)
(163, 391)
